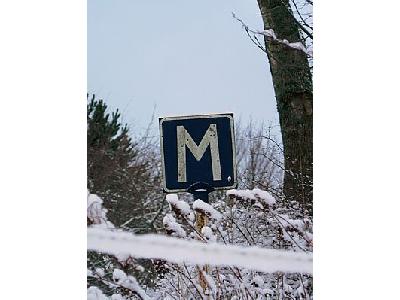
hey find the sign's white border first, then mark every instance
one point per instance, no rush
(227, 115)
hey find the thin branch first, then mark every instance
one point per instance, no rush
(304, 24)
(271, 38)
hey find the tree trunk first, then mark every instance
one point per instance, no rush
(292, 81)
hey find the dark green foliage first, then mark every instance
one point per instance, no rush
(124, 173)
(109, 148)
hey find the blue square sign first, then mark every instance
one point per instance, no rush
(198, 149)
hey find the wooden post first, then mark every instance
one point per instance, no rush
(201, 221)
(201, 191)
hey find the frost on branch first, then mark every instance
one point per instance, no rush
(172, 227)
(94, 293)
(296, 45)
(244, 218)
(207, 209)
(251, 247)
(269, 33)
(271, 36)
(208, 234)
(130, 283)
(101, 284)
(256, 196)
(178, 206)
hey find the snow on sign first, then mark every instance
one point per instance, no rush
(198, 149)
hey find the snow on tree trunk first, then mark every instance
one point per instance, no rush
(292, 81)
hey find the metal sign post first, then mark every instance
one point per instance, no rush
(200, 190)
(198, 157)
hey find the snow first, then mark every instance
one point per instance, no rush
(191, 217)
(210, 282)
(95, 209)
(195, 252)
(245, 194)
(94, 293)
(208, 234)
(171, 198)
(172, 226)
(129, 282)
(201, 206)
(259, 205)
(119, 275)
(93, 198)
(179, 205)
(300, 291)
(256, 194)
(268, 33)
(267, 291)
(256, 207)
(258, 281)
(96, 213)
(298, 46)
(264, 196)
(309, 236)
(100, 272)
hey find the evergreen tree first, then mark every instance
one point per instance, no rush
(122, 172)
(125, 174)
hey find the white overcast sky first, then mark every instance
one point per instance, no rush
(180, 56)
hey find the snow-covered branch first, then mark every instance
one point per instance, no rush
(270, 36)
(130, 283)
(180, 251)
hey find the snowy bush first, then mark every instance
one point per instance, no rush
(243, 217)
(104, 276)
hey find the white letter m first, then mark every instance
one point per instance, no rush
(210, 138)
